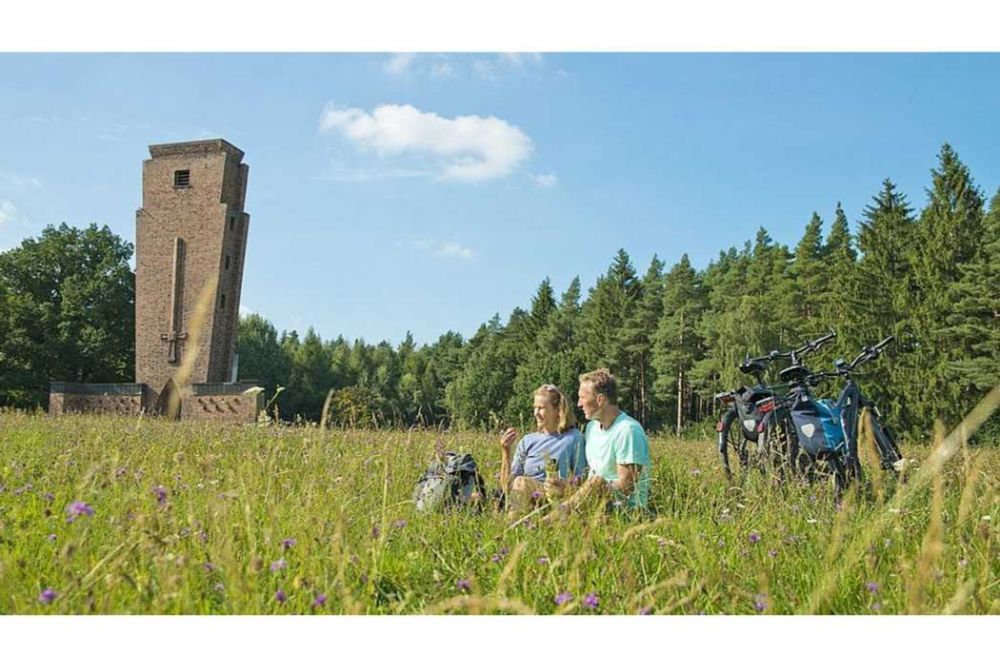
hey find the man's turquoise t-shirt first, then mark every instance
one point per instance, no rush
(623, 442)
(535, 449)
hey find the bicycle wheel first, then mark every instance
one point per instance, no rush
(732, 445)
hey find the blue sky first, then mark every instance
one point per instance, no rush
(392, 193)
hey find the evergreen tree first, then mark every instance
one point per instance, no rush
(810, 277)
(840, 262)
(553, 358)
(678, 343)
(602, 322)
(949, 233)
(880, 299)
(973, 326)
(637, 342)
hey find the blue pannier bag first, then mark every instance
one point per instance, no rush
(817, 423)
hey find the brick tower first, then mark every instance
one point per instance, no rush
(190, 232)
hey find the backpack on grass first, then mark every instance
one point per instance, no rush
(452, 481)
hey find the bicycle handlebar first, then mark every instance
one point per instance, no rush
(809, 346)
(868, 353)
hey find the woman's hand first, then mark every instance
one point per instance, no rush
(507, 438)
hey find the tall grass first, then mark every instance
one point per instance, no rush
(196, 518)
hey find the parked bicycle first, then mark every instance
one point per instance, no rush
(848, 410)
(741, 425)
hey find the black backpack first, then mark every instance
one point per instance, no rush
(449, 482)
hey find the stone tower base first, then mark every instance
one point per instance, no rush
(222, 402)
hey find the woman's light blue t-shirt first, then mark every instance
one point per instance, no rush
(535, 449)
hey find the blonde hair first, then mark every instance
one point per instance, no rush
(567, 417)
(604, 383)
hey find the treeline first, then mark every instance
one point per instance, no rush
(675, 336)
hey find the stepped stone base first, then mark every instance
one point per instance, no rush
(222, 402)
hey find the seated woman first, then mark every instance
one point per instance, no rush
(557, 443)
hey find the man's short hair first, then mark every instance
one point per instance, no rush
(604, 383)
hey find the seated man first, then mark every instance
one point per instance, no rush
(617, 449)
(555, 449)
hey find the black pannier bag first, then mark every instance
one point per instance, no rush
(748, 412)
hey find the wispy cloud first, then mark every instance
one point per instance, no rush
(545, 180)
(7, 212)
(13, 181)
(446, 250)
(494, 68)
(454, 250)
(463, 148)
(399, 64)
(443, 70)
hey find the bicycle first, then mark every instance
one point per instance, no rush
(750, 405)
(849, 406)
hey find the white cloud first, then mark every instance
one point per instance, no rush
(545, 180)
(464, 148)
(446, 250)
(399, 64)
(7, 212)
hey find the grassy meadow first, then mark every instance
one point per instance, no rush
(103, 515)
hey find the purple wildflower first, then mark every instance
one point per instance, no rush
(161, 495)
(47, 596)
(496, 558)
(504, 551)
(209, 567)
(773, 553)
(49, 496)
(280, 596)
(119, 472)
(591, 601)
(536, 495)
(400, 524)
(288, 543)
(760, 603)
(463, 584)
(543, 561)
(319, 601)
(202, 536)
(645, 611)
(51, 537)
(563, 598)
(376, 532)
(754, 537)
(278, 565)
(871, 587)
(79, 508)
